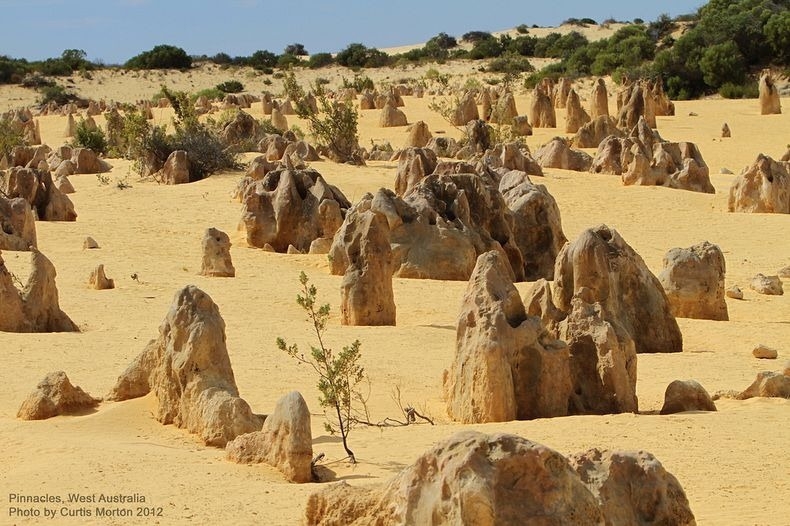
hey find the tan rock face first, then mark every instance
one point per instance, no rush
(419, 135)
(541, 110)
(770, 103)
(602, 361)
(391, 117)
(599, 102)
(291, 207)
(537, 225)
(465, 111)
(86, 161)
(686, 395)
(693, 279)
(557, 153)
(469, 478)
(413, 165)
(188, 369)
(98, 280)
(614, 275)
(592, 134)
(505, 109)
(638, 103)
(285, 441)
(366, 296)
(55, 395)
(17, 225)
(510, 156)
(506, 365)
(762, 187)
(176, 168)
(768, 384)
(575, 116)
(769, 285)
(39, 190)
(216, 254)
(35, 308)
(633, 488)
(243, 128)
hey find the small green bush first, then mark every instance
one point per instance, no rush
(209, 93)
(57, 94)
(10, 137)
(320, 60)
(86, 137)
(739, 91)
(160, 57)
(230, 86)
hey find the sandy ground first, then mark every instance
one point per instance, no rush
(733, 463)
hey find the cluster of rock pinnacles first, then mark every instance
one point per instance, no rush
(568, 347)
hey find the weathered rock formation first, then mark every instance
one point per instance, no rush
(176, 168)
(602, 268)
(762, 187)
(537, 226)
(770, 103)
(505, 109)
(419, 135)
(521, 126)
(17, 225)
(188, 369)
(54, 395)
(638, 103)
(35, 308)
(575, 115)
(557, 153)
(38, 189)
(242, 129)
(291, 207)
(768, 285)
(510, 156)
(592, 134)
(414, 164)
(98, 280)
(686, 395)
(285, 441)
(643, 158)
(632, 487)
(768, 384)
(216, 254)
(501, 479)
(465, 111)
(693, 279)
(506, 365)
(541, 110)
(599, 101)
(366, 296)
(391, 117)
(560, 92)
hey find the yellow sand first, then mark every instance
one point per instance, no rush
(733, 463)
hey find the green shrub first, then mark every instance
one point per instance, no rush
(522, 29)
(510, 64)
(209, 93)
(10, 137)
(86, 137)
(13, 70)
(230, 86)
(57, 94)
(160, 57)
(320, 60)
(749, 90)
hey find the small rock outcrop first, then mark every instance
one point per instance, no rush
(599, 101)
(764, 352)
(762, 187)
(188, 369)
(592, 134)
(419, 135)
(39, 190)
(35, 308)
(366, 296)
(291, 207)
(557, 153)
(465, 111)
(506, 365)
(575, 115)
(98, 280)
(632, 487)
(414, 164)
(693, 279)
(392, 117)
(285, 441)
(770, 103)
(686, 395)
(216, 254)
(176, 168)
(55, 395)
(768, 384)
(768, 285)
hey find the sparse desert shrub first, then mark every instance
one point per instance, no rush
(230, 86)
(359, 83)
(320, 60)
(749, 90)
(510, 64)
(334, 126)
(476, 36)
(85, 137)
(57, 94)
(522, 29)
(10, 137)
(209, 93)
(339, 374)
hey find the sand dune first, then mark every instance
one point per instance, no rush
(732, 463)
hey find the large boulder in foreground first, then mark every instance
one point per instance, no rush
(285, 441)
(506, 365)
(604, 269)
(693, 279)
(35, 308)
(632, 487)
(762, 187)
(469, 478)
(291, 207)
(188, 369)
(55, 395)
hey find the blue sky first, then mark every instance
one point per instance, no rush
(113, 31)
